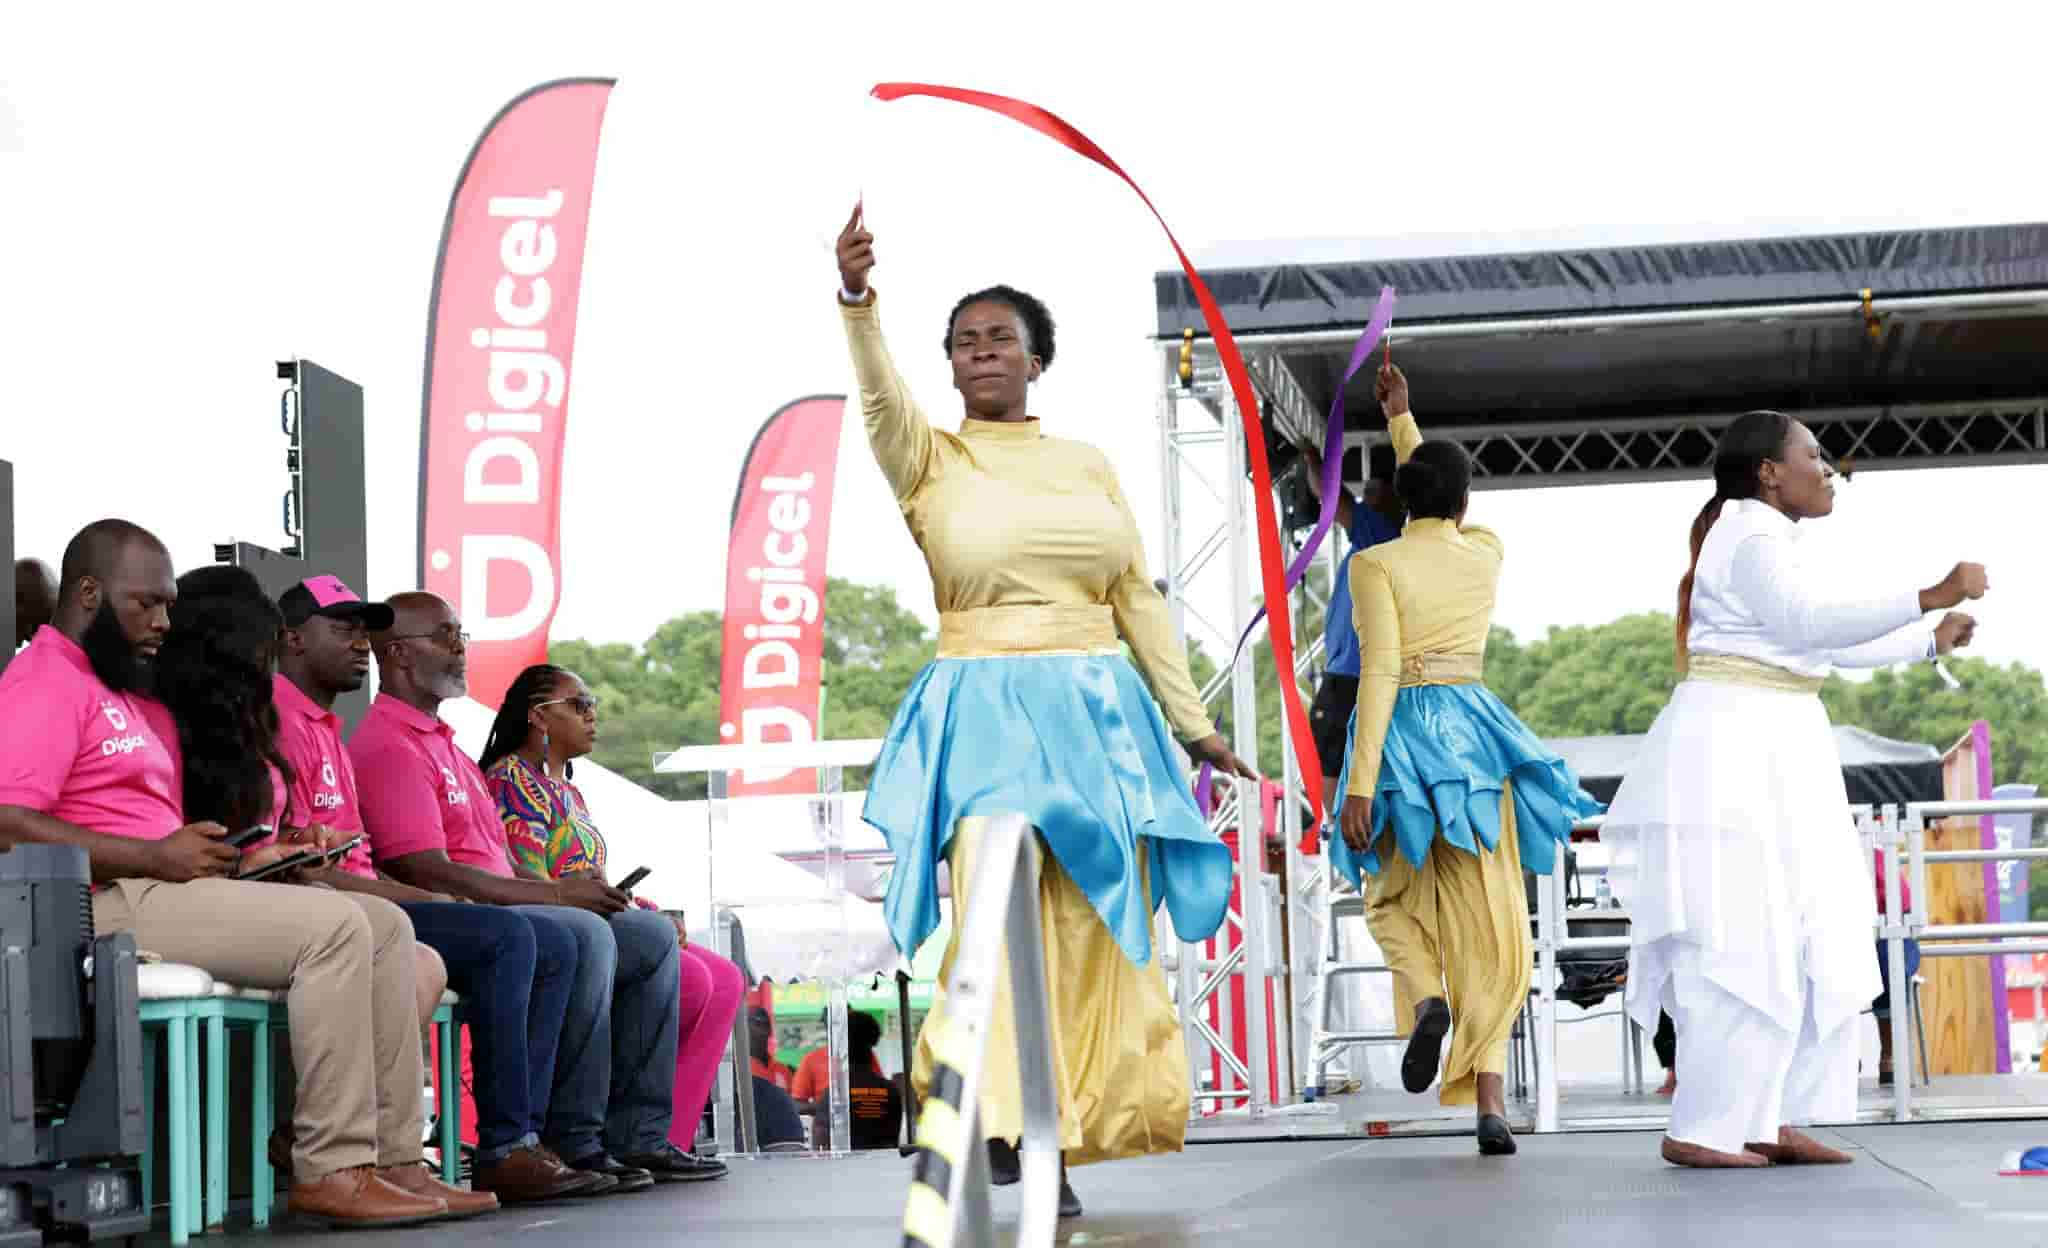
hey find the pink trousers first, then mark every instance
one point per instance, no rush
(711, 992)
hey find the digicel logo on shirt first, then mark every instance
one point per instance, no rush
(330, 800)
(457, 795)
(119, 744)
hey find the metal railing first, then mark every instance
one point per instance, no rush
(1904, 830)
(1893, 830)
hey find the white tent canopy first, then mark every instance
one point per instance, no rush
(793, 923)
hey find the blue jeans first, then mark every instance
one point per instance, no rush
(515, 977)
(615, 1077)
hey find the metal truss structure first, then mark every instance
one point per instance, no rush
(1200, 445)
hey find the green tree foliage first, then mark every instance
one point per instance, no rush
(1580, 681)
(664, 694)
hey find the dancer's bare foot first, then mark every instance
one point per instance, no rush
(1700, 1157)
(1670, 1087)
(1796, 1148)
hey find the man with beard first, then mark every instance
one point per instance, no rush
(514, 975)
(89, 758)
(35, 598)
(433, 824)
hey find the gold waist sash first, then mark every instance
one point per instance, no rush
(986, 632)
(1730, 669)
(1442, 669)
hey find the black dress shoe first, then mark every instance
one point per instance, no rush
(628, 1178)
(1004, 1168)
(670, 1164)
(1495, 1140)
(1425, 1045)
(1070, 1204)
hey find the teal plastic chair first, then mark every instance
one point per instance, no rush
(176, 1001)
(448, 1023)
(173, 1001)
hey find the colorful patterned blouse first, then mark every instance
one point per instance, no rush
(547, 823)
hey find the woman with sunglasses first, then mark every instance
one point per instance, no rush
(548, 720)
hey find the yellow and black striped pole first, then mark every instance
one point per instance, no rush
(949, 1182)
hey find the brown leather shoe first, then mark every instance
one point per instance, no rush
(531, 1175)
(420, 1181)
(358, 1198)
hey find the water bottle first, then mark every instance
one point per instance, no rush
(1603, 896)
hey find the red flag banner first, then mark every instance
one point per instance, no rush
(501, 334)
(1272, 565)
(771, 675)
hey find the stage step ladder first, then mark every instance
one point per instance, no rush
(948, 1202)
(1327, 1042)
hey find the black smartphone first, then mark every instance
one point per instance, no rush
(283, 865)
(639, 874)
(248, 836)
(341, 851)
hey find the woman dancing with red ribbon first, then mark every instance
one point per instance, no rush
(1031, 708)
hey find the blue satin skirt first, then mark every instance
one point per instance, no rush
(1449, 751)
(1075, 744)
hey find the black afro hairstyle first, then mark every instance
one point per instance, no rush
(1037, 320)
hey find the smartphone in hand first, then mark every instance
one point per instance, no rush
(248, 836)
(639, 874)
(341, 851)
(282, 865)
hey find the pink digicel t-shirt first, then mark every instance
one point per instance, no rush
(420, 792)
(75, 750)
(323, 789)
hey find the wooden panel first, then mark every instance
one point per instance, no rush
(1962, 1036)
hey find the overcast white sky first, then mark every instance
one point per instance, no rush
(187, 196)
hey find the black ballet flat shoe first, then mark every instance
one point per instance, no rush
(1070, 1204)
(1003, 1166)
(1425, 1046)
(1495, 1140)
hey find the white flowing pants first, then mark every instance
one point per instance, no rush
(1741, 1076)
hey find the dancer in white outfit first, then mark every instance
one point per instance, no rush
(1749, 895)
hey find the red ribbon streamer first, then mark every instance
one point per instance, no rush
(1272, 566)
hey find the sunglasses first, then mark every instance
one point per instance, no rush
(582, 704)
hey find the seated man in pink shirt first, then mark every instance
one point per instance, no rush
(433, 824)
(514, 978)
(89, 758)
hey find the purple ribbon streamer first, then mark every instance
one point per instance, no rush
(1333, 469)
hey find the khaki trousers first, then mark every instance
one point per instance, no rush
(347, 966)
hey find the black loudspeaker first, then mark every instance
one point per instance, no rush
(322, 510)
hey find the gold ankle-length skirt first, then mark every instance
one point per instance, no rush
(1119, 1062)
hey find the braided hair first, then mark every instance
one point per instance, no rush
(1738, 457)
(511, 728)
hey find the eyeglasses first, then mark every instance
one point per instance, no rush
(582, 704)
(444, 637)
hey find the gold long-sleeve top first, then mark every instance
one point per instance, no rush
(1429, 592)
(1006, 516)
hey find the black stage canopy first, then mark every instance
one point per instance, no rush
(1624, 361)
(1876, 769)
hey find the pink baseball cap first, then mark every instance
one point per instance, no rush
(326, 595)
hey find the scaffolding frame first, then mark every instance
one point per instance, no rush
(1518, 455)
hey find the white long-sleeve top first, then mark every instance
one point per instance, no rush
(1754, 598)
